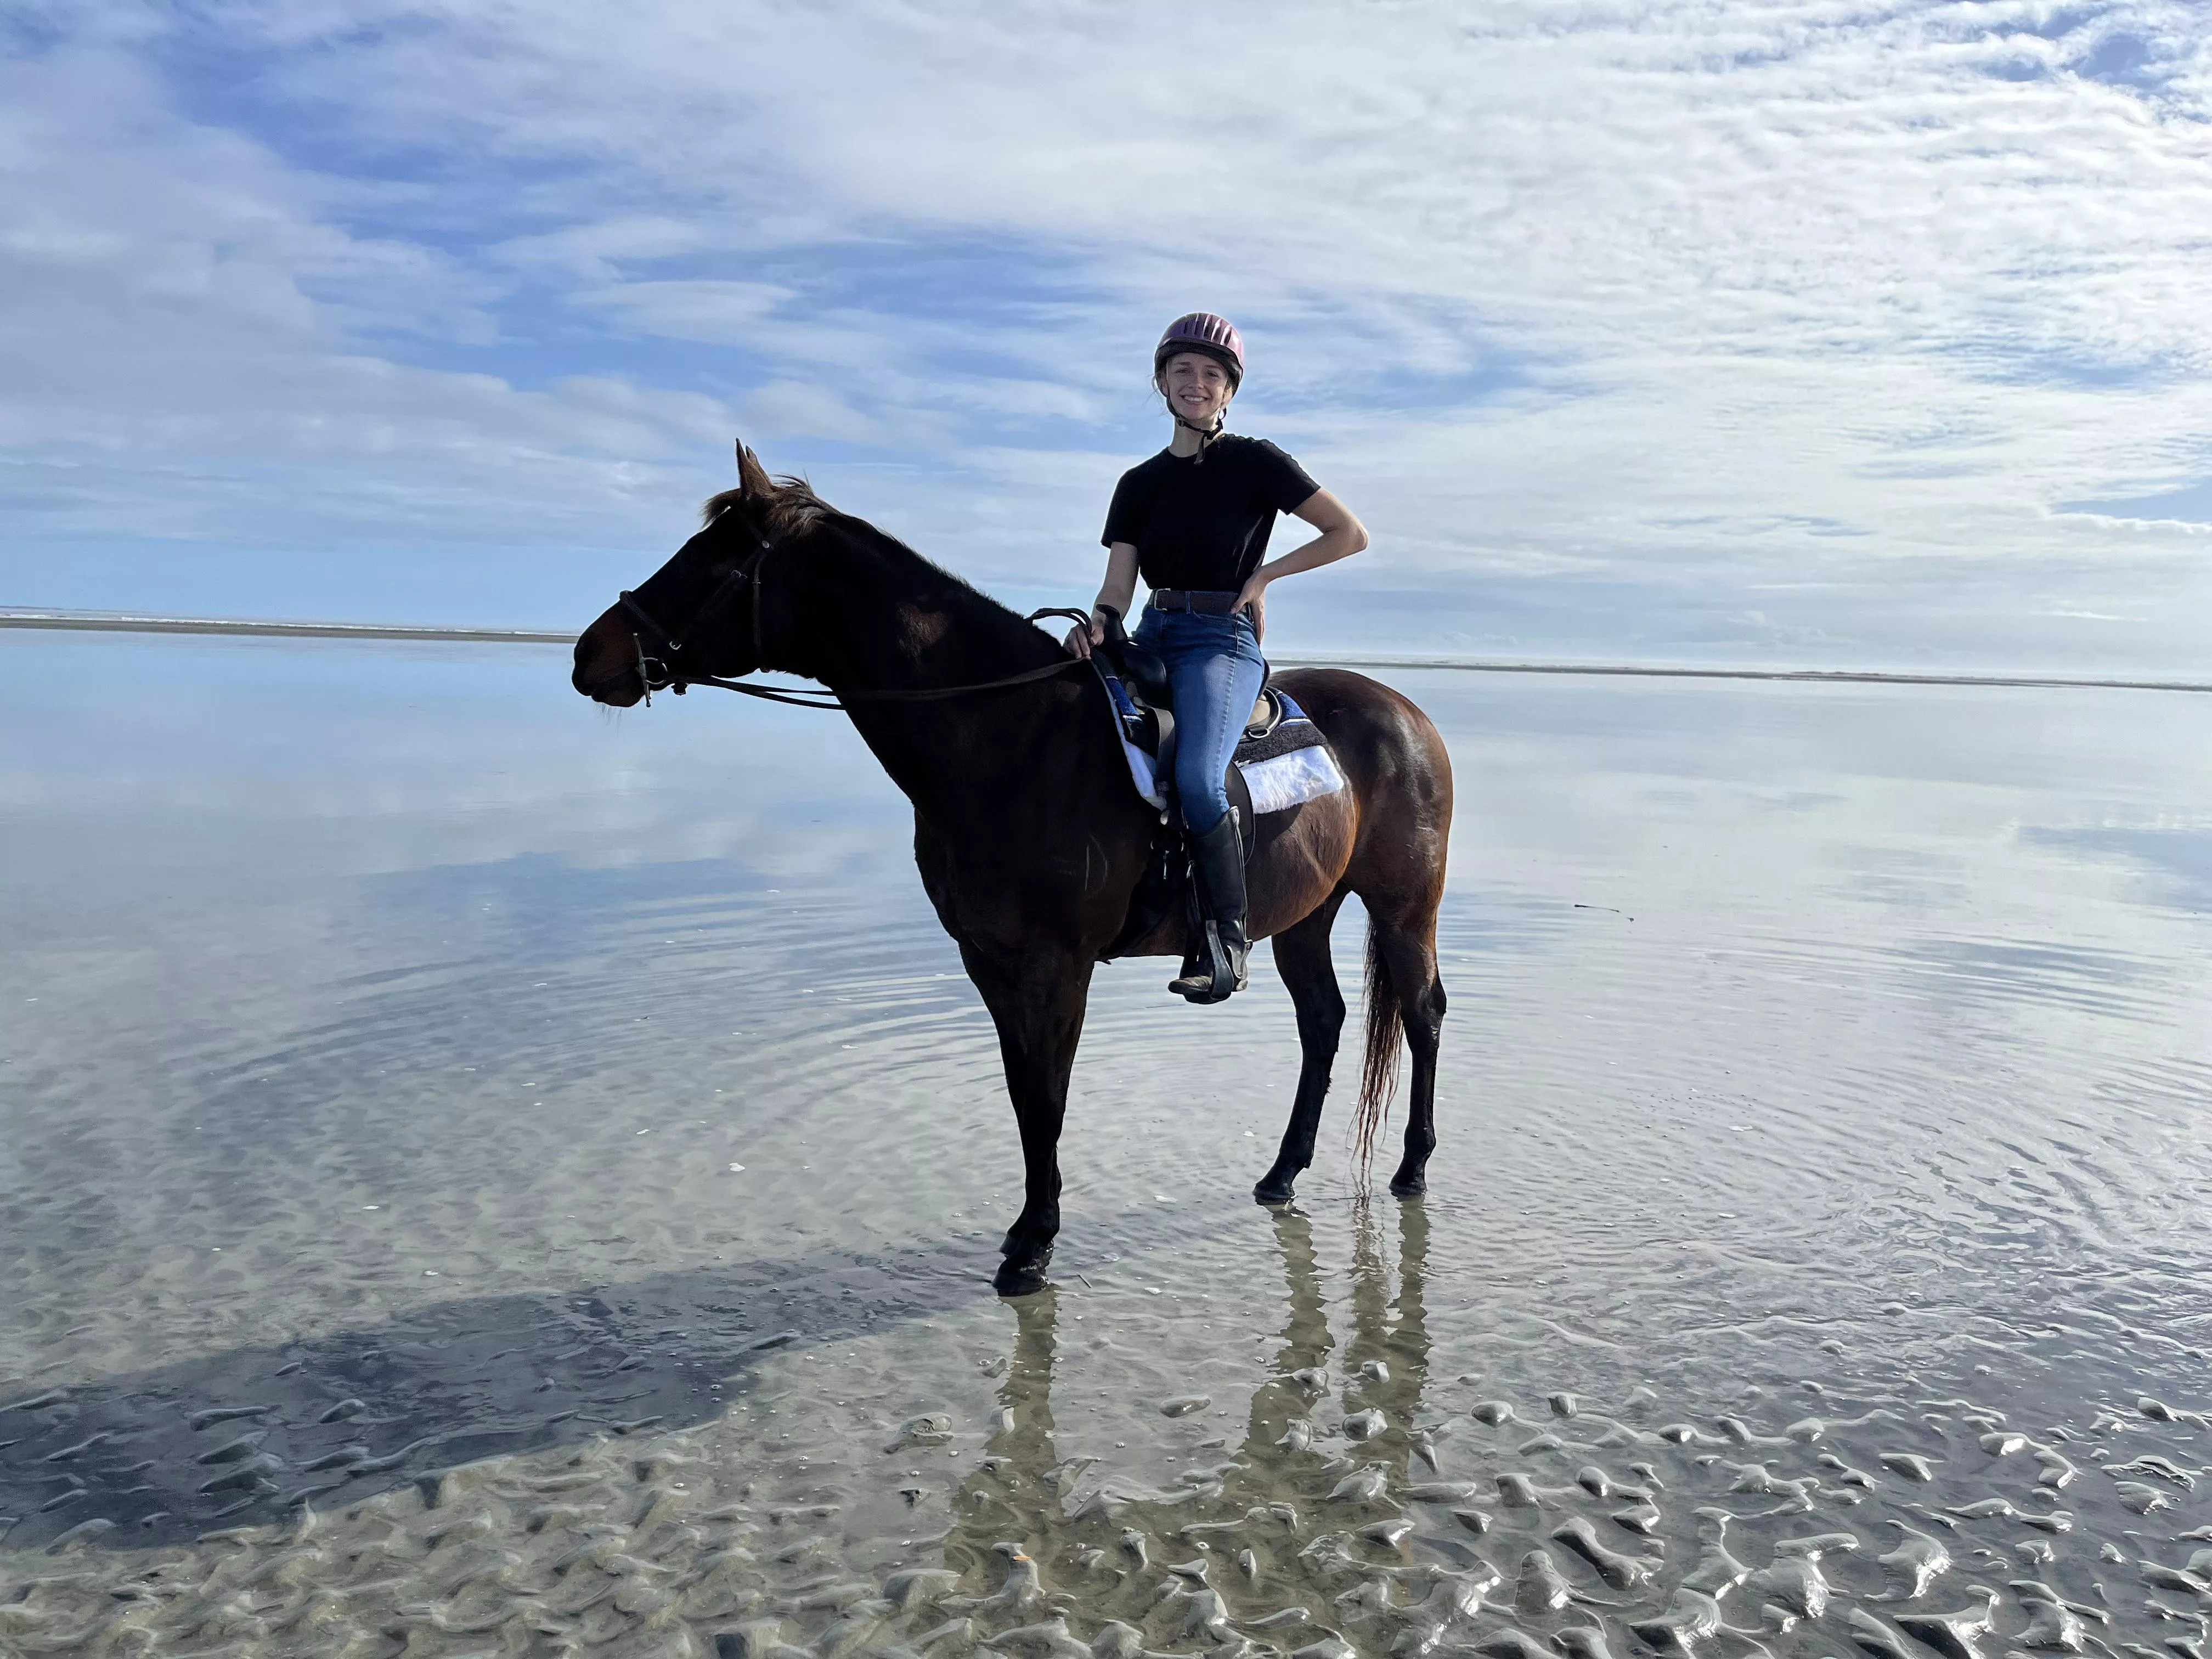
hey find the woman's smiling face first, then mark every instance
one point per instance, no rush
(1196, 386)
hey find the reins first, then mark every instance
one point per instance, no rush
(823, 696)
(748, 574)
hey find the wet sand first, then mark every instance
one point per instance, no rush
(1348, 1500)
(1821, 1182)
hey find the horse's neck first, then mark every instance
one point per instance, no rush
(871, 618)
(868, 615)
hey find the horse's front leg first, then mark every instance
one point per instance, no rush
(1036, 1001)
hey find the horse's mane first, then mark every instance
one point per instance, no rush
(789, 505)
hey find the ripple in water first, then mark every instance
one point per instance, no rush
(1352, 1501)
(554, 1216)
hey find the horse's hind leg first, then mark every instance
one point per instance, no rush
(1301, 956)
(1407, 951)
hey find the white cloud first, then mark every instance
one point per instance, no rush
(718, 312)
(1667, 295)
(188, 347)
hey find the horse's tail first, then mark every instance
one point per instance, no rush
(1378, 1069)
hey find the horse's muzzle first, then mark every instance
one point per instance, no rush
(623, 690)
(608, 668)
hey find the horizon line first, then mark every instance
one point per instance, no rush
(132, 622)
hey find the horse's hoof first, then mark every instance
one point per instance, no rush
(1024, 1278)
(1276, 1189)
(1409, 1185)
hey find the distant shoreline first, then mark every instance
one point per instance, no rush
(107, 622)
(100, 622)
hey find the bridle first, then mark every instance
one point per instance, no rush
(662, 669)
(666, 657)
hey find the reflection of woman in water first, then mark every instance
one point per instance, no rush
(1194, 521)
(1023, 1494)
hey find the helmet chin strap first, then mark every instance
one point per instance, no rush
(1206, 434)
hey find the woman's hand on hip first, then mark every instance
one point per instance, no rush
(1253, 598)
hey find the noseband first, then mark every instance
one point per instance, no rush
(662, 668)
(666, 657)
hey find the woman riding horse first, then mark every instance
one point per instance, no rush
(1029, 841)
(1194, 521)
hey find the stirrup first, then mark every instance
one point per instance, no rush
(1212, 972)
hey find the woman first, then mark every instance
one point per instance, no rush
(1193, 521)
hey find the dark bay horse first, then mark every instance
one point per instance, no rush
(1028, 833)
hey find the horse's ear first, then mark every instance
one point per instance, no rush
(752, 476)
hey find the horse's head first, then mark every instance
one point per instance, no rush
(699, 614)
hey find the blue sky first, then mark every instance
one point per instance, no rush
(1836, 331)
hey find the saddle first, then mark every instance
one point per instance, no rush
(1149, 707)
(1280, 749)
(1137, 680)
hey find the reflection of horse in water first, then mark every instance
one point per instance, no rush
(1029, 838)
(1330, 1536)
(1302, 1504)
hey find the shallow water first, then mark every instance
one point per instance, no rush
(594, 1103)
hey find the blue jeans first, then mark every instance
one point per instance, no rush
(1217, 670)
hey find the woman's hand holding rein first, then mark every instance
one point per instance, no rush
(1116, 594)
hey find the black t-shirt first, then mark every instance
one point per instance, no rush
(1203, 523)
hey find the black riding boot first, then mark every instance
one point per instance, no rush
(1214, 967)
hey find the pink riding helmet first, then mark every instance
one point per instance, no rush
(1201, 330)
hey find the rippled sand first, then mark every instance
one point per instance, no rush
(1354, 1504)
(481, 1178)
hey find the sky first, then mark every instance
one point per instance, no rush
(1838, 332)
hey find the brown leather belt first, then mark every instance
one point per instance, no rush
(1204, 601)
